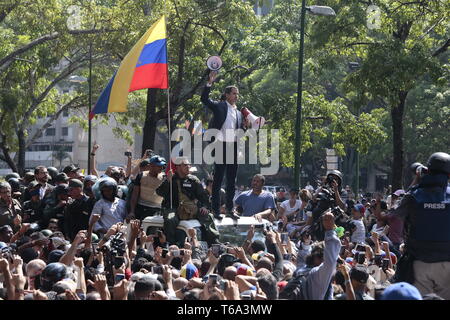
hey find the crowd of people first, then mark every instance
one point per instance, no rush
(66, 236)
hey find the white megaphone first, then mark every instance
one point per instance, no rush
(255, 121)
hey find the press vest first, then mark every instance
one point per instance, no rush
(429, 236)
(147, 195)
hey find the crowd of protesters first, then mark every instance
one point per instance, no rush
(55, 226)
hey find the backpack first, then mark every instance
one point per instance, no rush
(296, 287)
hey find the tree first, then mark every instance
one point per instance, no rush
(60, 154)
(36, 44)
(392, 59)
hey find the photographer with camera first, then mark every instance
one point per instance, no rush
(327, 197)
(425, 210)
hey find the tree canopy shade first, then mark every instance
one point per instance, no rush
(398, 72)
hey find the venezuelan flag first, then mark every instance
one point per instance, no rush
(145, 66)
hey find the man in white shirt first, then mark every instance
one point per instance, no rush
(110, 208)
(227, 119)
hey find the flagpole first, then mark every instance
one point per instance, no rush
(168, 109)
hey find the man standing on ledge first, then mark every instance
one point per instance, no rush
(227, 119)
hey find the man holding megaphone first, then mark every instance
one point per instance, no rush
(226, 118)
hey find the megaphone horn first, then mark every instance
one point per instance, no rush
(255, 121)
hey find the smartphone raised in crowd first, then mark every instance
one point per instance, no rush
(216, 250)
(157, 269)
(378, 259)
(284, 238)
(385, 264)
(213, 279)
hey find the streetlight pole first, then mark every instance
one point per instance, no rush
(320, 11)
(298, 122)
(90, 107)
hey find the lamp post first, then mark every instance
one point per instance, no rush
(78, 79)
(320, 11)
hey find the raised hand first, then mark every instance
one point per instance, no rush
(120, 290)
(328, 221)
(39, 295)
(80, 237)
(192, 233)
(167, 274)
(239, 253)
(78, 262)
(212, 76)
(251, 233)
(71, 295)
(135, 228)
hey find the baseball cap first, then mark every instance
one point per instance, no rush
(244, 270)
(401, 291)
(360, 208)
(70, 168)
(189, 271)
(157, 160)
(55, 255)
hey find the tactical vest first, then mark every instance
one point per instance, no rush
(429, 234)
(147, 195)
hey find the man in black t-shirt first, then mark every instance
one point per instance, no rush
(78, 211)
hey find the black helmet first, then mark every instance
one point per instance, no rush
(53, 273)
(12, 175)
(108, 183)
(53, 172)
(439, 162)
(336, 173)
(15, 184)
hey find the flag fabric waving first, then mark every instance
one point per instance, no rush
(145, 66)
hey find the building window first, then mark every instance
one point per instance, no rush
(65, 113)
(50, 132)
(43, 148)
(65, 131)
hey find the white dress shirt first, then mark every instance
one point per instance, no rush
(229, 127)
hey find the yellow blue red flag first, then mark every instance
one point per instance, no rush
(145, 66)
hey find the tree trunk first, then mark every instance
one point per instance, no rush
(397, 114)
(148, 141)
(21, 152)
(7, 158)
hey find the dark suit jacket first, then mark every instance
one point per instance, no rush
(219, 109)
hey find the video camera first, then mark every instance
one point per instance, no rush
(114, 250)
